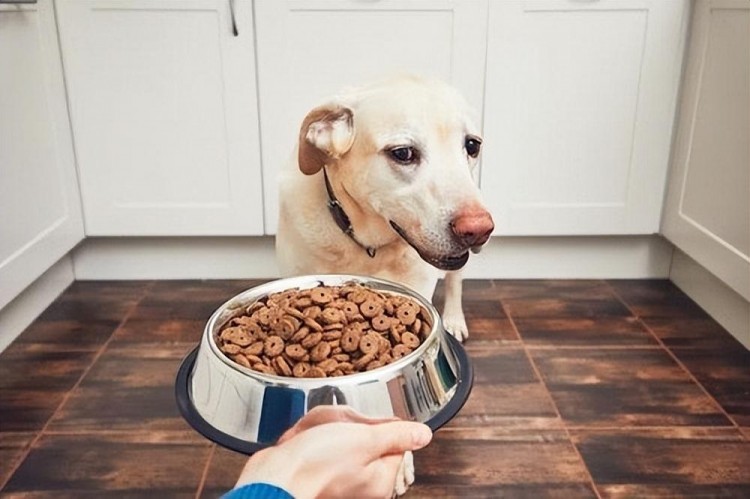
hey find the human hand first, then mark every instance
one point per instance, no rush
(343, 458)
(324, 414)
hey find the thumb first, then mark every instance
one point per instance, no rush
(395, 437)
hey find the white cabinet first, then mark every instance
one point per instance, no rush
(163, 106)
(310, 49)
(579, 106)
(707, 212)
(40, 217)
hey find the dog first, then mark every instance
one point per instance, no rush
(382, 184)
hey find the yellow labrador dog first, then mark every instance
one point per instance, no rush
(382, 184)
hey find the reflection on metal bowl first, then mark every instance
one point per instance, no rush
(246, 410)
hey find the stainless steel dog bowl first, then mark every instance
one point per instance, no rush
(246, 410)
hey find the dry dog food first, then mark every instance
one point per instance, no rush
(325, 331)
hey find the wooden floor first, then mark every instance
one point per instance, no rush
(583, 389)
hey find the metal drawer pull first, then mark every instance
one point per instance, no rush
(231, 14)
(16, 1)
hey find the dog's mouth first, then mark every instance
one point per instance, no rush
(443, 262)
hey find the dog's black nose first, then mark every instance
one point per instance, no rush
(473, 226)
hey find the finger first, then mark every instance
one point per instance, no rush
(324, 414)
(319, 415)
(394, 437)
(344, 414)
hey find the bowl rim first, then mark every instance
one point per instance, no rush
(245, 298)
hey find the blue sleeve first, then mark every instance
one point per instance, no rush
(258, 491)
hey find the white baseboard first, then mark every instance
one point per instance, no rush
(253, 257)
(23, 309)
(721, 302)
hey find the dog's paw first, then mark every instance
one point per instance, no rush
(455, 324)
(405, 476)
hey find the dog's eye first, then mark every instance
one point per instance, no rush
(404, 155)
(472, 145)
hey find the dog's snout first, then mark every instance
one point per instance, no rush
(473, 227)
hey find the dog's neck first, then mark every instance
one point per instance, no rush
(342, 219)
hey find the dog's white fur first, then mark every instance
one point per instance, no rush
(422, 199)
(350, 136)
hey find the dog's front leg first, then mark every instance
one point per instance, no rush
(405, 476)
(453, 312)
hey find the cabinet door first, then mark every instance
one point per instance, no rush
(309, 50)
(579, 109)
(40, 217)
(707, 213)
(163, 107)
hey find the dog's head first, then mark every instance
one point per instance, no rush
(406, 151)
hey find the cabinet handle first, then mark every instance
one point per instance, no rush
(17, 1)
(231, 15)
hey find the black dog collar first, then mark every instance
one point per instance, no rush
(341, 218)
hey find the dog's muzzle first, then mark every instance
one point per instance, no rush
(447, 262)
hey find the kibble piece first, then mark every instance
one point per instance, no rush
(350, 339)
(316, 372)
(253, 359)
(407, 313)
(301, 369)
(358, 296)
(381, 323)
(263, 368)
(350, 309)
(346, 367)
(282, 367)
(400, 351)
(273, 346)
(312, 339)
(321, 295)
(389, 308)
(263, 316)
(371, 308)
(312, 312)
(254, 349)
(232, 349)
(328, 365)
(374, 365)
(385, 345)
(295, 351)
(303, 302)
(363, 361)
(416, 326)
(332, 315)
(300, 335)
(334, 334)
(370, 343)
(321, 351)
(287, 327)
(313, 324)
(410, 340)
(426, 328)
(241, 360)
(237, 335)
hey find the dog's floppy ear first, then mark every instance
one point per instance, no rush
(327, 133)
